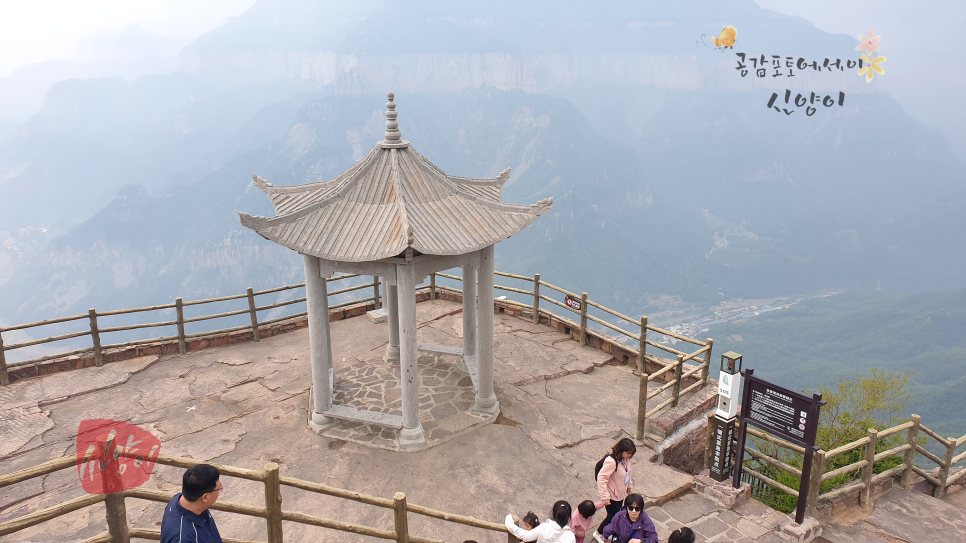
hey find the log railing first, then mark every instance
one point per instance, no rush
(675, 376)
(860, 476)
(628, 327)
(120, 532)
(96, 329)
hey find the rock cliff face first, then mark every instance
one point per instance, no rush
(357, 75)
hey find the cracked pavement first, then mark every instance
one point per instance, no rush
(244, 405)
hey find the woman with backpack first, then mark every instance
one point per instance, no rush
(631, 525)
(614, 478)
(551, 531)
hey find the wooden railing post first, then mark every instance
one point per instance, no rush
(678, 373)
(707, 362)
(709, 442)
(402, 520)
(432, 286)
(815, 482)
(944, 467)
(865, 495)
(909, 459)
(4, 378)
(642, 347)
(583, 319)
(536, 298)
(375, 292)
(117, 518)
(642, 405)
(179, 306)
(510, 537)
(95, 337)
(643, 378)
(251, 310)
(273, 502)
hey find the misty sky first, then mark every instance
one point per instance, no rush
(913, 34)
(41, 30)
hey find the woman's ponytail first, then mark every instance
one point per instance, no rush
(561, 513)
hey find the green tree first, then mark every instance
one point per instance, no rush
(876, 400)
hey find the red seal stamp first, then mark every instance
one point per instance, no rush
(114, 456)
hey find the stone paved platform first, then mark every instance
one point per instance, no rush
(563, 406)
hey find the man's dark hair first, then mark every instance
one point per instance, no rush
(587, 508)
(199, 480)
(682, 535)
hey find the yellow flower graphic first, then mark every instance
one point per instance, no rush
(871, 65)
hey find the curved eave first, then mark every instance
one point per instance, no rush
(456, 225)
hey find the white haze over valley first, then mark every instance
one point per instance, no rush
(130, 130)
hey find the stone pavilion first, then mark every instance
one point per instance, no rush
(396, 215)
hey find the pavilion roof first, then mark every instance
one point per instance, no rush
(391, 200)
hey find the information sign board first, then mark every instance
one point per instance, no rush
(572, 303)
(781, 412)
(785, 413)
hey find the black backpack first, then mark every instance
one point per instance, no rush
(600, 465)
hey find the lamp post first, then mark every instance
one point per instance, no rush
(723, 423)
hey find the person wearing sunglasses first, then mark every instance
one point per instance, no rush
(187, 518)
(631, 524)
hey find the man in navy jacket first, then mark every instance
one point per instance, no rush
(187, 518)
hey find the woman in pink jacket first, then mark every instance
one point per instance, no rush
(614, 480)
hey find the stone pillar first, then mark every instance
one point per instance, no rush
(320, 343)
(392, 307)
(469, 310)
(411, 437)
(485, 398)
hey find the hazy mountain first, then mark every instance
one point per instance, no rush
(675, 186)
(129, 54)
(94, 136)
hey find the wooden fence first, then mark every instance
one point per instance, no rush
(649, 368)
(860, 475)
(96, 329)
(638, 335)
(120, 532)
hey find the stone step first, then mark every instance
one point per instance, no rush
(439, 349)
(691, 407)
(352, 414)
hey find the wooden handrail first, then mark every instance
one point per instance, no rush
(321, 488)
(228, 507)
(42, 323)
(155, 535)
(504, 274)
(39, 470)
(181, 462)
(560, 290)
(30, 519)
(846, 448)
(844, 469)
(672, 334)
(930, 433)
(135, 310)
(774, 462)
(45, 340)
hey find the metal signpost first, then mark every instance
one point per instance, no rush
(723, 423)
(784, 413)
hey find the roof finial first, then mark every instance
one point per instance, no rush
(392, 127)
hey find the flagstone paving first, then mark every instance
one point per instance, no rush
(563, 406)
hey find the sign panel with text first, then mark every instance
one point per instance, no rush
(786, 414)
